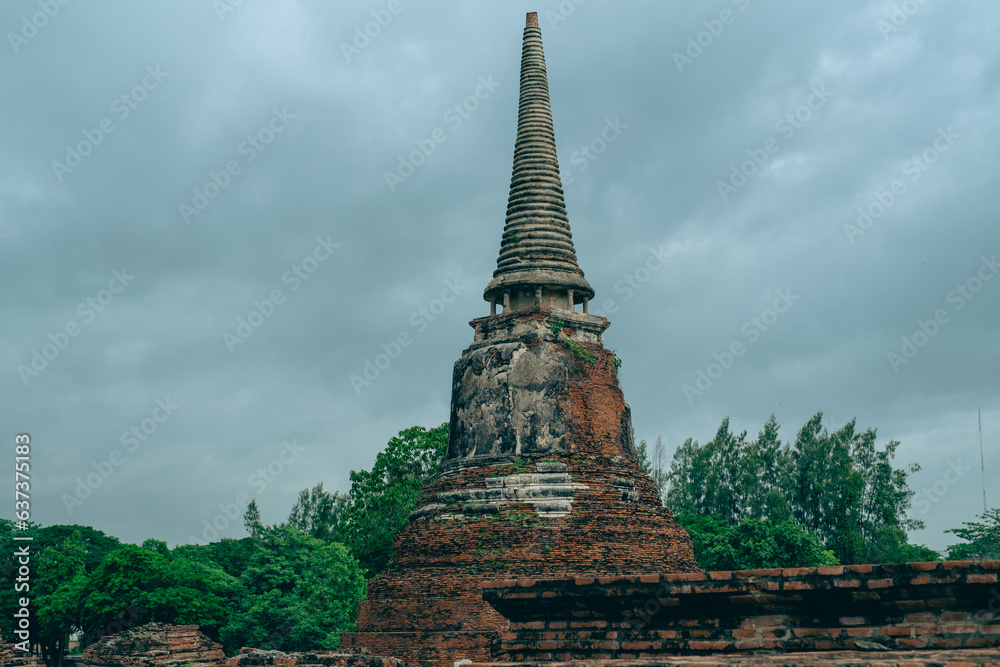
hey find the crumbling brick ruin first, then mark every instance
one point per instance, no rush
(540, 502)
(541, 474)
(942, 606)
(154, 645)
(541, 541)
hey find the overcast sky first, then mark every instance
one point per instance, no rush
(166, 167)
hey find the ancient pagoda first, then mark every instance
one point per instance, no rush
(541, 476)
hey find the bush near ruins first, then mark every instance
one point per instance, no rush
(753, 544)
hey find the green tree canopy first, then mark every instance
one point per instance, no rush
(318, 512)
(57, 587)
(753, 544)
(232, 555)
(982, 538)
(380, 500)
(135, 585)
(297, 594)
(839, 486)
(731, 478)
(60, 556)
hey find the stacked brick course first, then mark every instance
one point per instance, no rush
(541, 475)
(253, 657)
(964, 658)
(949, 605)
(14, 657)
(576, 502)
(153, 645)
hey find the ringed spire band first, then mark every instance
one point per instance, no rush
(537, 263)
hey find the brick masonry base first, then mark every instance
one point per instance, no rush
(916, 606)
(959, 658)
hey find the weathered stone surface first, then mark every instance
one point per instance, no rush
(512, 398)
(154, 644)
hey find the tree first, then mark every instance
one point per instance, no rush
(318, 513)
(753, 544)
(57, 585)
(847, 491)
(134, 585)
(839, 486)
(643, 456)
(59, 538)
(159, 546)
(730, 478)
(298, 594)
(982, 538)
(232, 555)
(654, 463)
(251, 519)
(658, 463)
(380, 500)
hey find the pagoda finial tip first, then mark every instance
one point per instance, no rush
(531, 20)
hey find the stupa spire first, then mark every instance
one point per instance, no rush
(537, 263)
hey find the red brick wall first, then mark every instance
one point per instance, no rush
(429, 609)
(950, 605)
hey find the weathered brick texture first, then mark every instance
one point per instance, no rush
(963, 658)
(575, 501)
(949, 605)
(14, 657)
(152, 645)
(252, 657)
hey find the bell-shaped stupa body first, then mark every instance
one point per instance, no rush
(541, 476)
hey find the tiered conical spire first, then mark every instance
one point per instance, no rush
(536, 250)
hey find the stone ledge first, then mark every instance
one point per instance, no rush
(255, 657)
(951, 605)
(958, 658)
